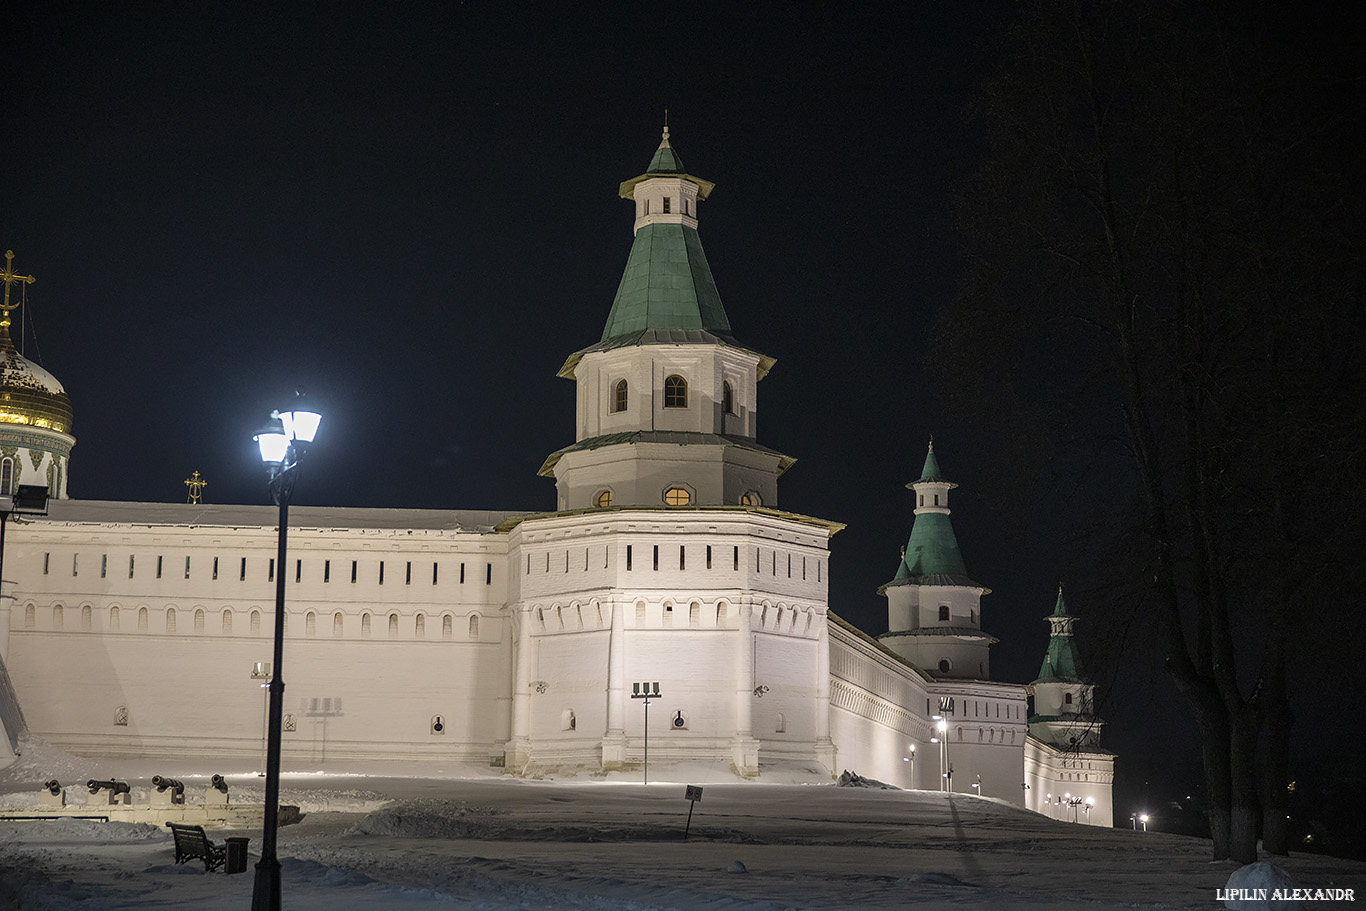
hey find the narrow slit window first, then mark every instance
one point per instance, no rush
(381, 572)
(353, 572)
(628, 558)
(215, 567)
(667, 202)
(104, 566)
(47, 562)
(735, 559)
(130, 566)
(408, 574)
(727, 398)
(75, 564)
(433, 573)
(270, 572)
(708, 556)
(242, 577)
(682, 557)
(187, 567)
(327, 570)
(462, 573)
(298, 570)
(656, 557)
(488, 573)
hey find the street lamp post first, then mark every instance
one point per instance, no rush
(642, 691)
(282, 443)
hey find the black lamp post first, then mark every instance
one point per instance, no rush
(282, 443)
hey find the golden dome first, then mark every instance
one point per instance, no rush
(29, 395)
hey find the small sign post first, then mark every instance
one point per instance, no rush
(693, 794)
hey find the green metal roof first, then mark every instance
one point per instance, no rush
(667, 284)
(931, 471)
(932, 549)
(666, 160)
(1060, 663)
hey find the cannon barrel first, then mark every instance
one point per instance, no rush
(53, 786)
(164, 783)
(118, 787)
(218, 782)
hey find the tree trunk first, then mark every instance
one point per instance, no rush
(1278, 720)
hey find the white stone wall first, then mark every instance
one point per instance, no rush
(112, 656)
(1055, 776)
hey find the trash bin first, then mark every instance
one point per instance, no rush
(237, 855)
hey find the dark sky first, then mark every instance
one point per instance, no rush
(411, 211)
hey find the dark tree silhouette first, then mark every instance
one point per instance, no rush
(1166, 232)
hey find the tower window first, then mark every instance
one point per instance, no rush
(6, 477)
(666, 205)
(943, 612)
(685, 205)
(1067, 698)
(936, 499)
(675, 392)
(619, 396)
(749, 498)
(677, 496)
(727, 398)
(944, 667)
(647, 207)
(603, 500)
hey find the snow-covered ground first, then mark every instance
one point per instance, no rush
(471, 838)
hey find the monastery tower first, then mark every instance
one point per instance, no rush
(934, 610)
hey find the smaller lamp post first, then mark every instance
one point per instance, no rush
(282, 442)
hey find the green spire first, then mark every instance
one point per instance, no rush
(667, 283)
(1061, 660)
(931, 471)
(932, 549)
(666, 160)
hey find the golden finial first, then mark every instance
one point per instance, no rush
(664, 143)
(196, 483)
(9, 277)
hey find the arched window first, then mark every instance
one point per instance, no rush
(338, 625)
(6, 477)
(749, 498)
(1067, 698)
(603, 499)
(85, 617)
(727, 398)
(114, 619)
(310, 624)
(393, 626)
(57, 617)
(675, 392)
(446, 630)
(365, 626)
(943, 612)
(170, 619)
(420, 626)
(30, 617)
(474, 627)
(227, 620)
(677, 496)
(199, 620)
(255, 622)
(619, 396)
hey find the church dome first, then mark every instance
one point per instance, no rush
(29, 395)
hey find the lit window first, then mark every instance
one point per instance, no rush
(603, 500)
(675, 392)
(677, 496)
(6, 477)
(666, 205)
(749, 498)
(619, 396)
(727, 398)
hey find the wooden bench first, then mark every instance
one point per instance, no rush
(190, 842)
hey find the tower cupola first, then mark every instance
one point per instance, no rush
(666, 412)
(35, 412)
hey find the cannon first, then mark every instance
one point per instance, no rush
(218, 783)
(114, 788)
(53, 787)
(164, 783)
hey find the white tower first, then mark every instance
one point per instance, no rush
(1064, 704)
(934, 610)
(666, 410)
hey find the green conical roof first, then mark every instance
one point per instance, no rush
(667, 284)
(666, 160)
(932, 549)
(1061, 660)
(931, 471)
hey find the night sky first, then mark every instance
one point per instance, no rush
(411, 212)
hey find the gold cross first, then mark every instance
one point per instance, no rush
(196, 485)
(9, 277)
